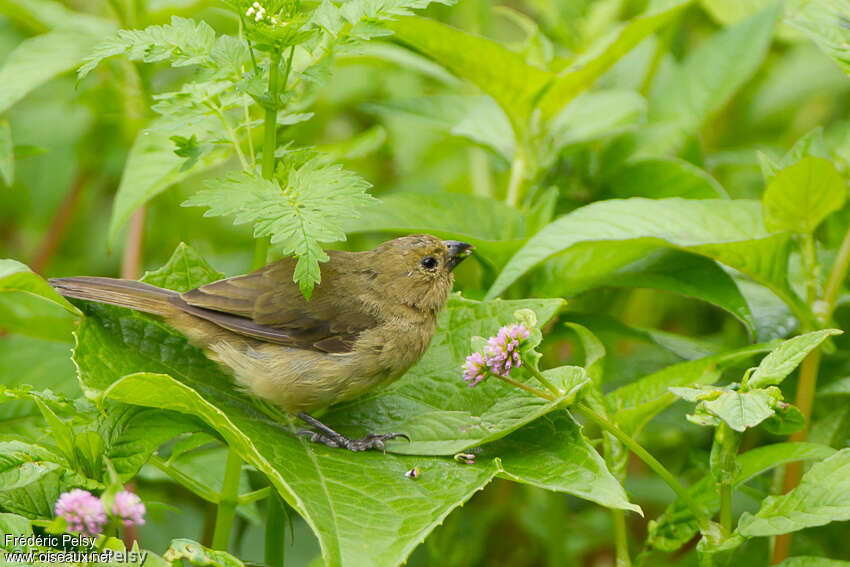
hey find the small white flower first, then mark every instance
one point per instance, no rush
(250, 11)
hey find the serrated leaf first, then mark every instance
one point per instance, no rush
(312, 208)
(826, 23)
(7, 154)
(676, 526)
(741, 410)
(594, 64)
(329, 487)
(823, 496)
(660, 178)
(28, 305)
(786, 357)
(38, 59)
(728, 231)
(801, 196)
(185, 270)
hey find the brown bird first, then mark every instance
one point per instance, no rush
(368, 321)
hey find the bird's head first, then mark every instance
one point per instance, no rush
(417, 269)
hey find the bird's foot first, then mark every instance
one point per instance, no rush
(371, 441)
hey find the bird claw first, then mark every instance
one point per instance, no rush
(371, 441)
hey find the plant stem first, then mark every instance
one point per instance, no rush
(621, 539)
(275, 544)
(185, 480)
(545, 381)
(131, 262)
(837, 274)
(226, 512)
(724, 466)
(261, 247)
(526, 387)
(517, 179)
(230, 134)
(652, 462)
(59, 224)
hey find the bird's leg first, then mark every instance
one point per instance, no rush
(331, 438)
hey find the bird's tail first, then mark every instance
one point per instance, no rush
(123, 293)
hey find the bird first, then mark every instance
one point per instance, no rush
(367, 322)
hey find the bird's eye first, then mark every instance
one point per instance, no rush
(429, 262)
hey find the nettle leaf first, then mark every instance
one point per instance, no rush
(801, 196)
(786, 357)
(592, 65)
(185, 270)
(496, 70)
(677, 526)
(823, 496)
(728, 231)
(825, 22)
(741, 410)
(311, 208)
(660, 178)
(28, 305)
(137, 360)
(184, 42)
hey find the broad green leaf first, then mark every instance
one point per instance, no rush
(676, 526)
(194, 553)
(800, 197)
(38, 59)
(741, 410)
(7, 154)
(492, 226)
(590, 265)
(497, 71)
(840, 387)
(786, 357)
(15, 525)
(477, 118)
(823, 496)
(319, 482)
(825, 22)
(306, 208)
(151, 168)
(711, 74)
(802, 561)
(594, 64)
(28, 304)
(810, 144)
(638, 402)
(660, 178)
(185, 270)
(728, 231)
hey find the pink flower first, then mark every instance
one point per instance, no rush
(474, 369)
(129, 508)
(83, 511)
(502, 351)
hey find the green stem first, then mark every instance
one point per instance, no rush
(275, 547)
(231, 134)
(527, 388)
(184, 480)
(724, 467)
(837, 275)
(545, 381)
(261, 247)
(652, 462)
(254, 496)
(226, 512)
(621, 539)
(809, 257)
(517, 179)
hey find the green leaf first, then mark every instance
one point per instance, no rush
(728, 231)
(38, 59)
(594, 64)
(28, 304)
(497, 71)
(311, 208)
(639, 401)
(676, 526)
(17, 526)
(7, 154)
(787, 419)
(802, 561)
(184, 42)
(711, 74)
(151, 168)
(810, 144)
(825, 22)
(741, 410)
(823, 496)
(660, 178)
(786, 357)
(185, 270)
(196, 554)
(800, 197)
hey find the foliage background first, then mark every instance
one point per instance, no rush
(687, 112)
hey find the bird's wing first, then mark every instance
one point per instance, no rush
(267, 305)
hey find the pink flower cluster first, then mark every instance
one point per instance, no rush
(85, 513)
(500, 355)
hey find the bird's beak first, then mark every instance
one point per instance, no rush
(458, 251)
